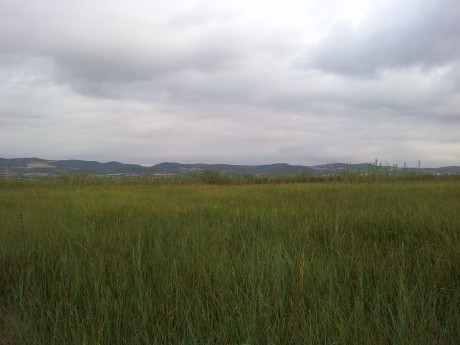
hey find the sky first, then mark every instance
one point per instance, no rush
(237, 82)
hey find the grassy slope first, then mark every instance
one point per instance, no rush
(254, 264)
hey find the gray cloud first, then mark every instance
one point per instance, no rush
(399, 35)
(85, 50)
(190, 81)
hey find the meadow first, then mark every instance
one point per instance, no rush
(216, 260)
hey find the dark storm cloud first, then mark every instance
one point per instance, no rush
(399, 35)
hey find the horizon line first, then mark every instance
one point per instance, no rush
(374, 162)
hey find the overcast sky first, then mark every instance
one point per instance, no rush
(241, 82)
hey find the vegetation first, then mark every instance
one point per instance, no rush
(212, 259)
(35, 167)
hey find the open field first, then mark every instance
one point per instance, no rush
(99, 261)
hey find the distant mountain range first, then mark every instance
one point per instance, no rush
(27, 167)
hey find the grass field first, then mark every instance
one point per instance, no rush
(98, 261)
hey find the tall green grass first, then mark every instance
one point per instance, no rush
(100, 261)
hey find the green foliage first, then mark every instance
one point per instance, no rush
(213, 259)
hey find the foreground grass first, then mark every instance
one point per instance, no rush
(325, 263)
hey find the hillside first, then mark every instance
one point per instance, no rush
(27, 167)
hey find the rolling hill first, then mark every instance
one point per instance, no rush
(28, 167)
